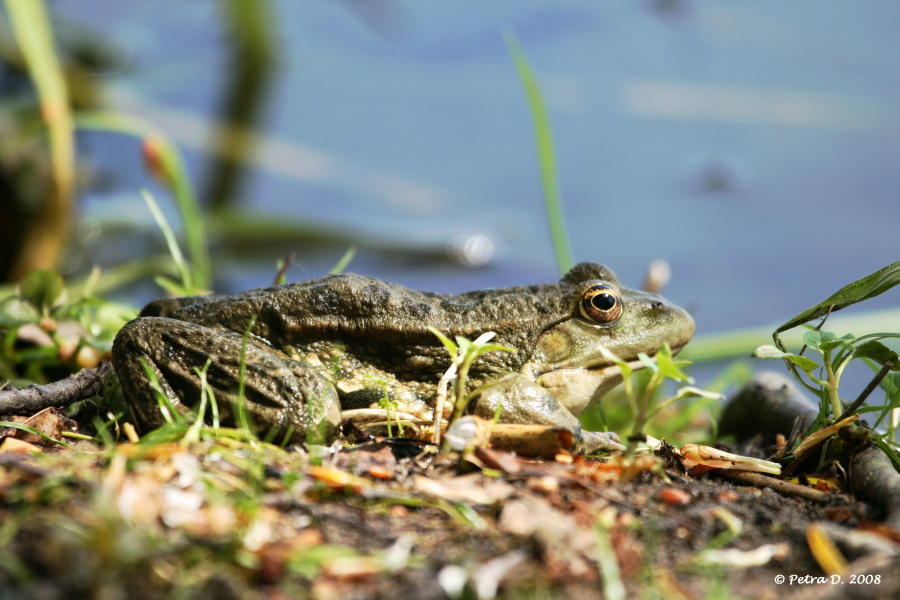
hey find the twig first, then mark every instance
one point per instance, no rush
(785, 487)
(818, 327)
(868, 390)
(282, 271)
(35, 398)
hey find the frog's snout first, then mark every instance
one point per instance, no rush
(683, 331)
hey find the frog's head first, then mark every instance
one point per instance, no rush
(567, 356)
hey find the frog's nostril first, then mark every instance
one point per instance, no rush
(657, 305)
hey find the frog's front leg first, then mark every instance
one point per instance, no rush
(521, 400)
(280, 394)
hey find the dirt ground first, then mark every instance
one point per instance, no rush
(387, 519)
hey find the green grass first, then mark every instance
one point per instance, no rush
(546, 153)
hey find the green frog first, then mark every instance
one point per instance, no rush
(345, 342)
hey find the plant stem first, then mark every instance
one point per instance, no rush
(836, 408)
(461, 378)
(253, 50)
(47, 233)
(641, 418)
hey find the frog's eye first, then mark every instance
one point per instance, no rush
(601, 304)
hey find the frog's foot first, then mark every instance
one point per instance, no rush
(280, 394)
(597, 442)
(521, 400)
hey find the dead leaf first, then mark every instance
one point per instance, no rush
(14, 446)
(824, 550)
(49, 422)
(498, 459)
(473, 489)
(337, 480)
(352, 567)
(813, 439)
(546, 484)
(376, 458)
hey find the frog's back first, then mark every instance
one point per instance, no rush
(355, 307)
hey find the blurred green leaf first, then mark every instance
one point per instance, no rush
(891, 386)
(690, 390)
(14, 312)
(172, 287)
(623, 365)
(43, 289)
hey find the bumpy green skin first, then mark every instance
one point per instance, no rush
(343, 341)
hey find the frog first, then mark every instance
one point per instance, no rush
(300, 355)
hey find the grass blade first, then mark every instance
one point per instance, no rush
(183, 271)
(345, 260)
(47, 235)
(32, 431)
(546, 155)
(165, 163)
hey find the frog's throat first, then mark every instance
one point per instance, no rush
(611, 371)
(599, 363)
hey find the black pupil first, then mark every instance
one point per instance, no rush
(604, 301)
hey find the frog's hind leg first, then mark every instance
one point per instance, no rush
(281, 395)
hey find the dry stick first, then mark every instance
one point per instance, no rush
(798, 462)
(817, 328)
(868, 390)
(35, 398)
(282, 272)
(785, 487)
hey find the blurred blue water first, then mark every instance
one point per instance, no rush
(755, 146)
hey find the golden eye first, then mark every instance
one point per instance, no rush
(602, 305)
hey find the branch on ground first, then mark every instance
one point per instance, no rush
(35, 398)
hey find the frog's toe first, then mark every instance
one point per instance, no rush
(595, 442)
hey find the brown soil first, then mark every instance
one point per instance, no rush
(385, 520)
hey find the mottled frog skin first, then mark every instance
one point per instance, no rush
(343, 341)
